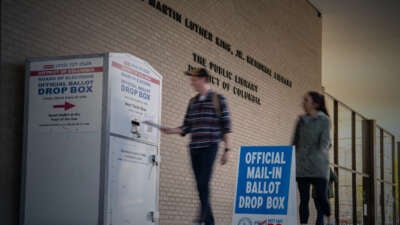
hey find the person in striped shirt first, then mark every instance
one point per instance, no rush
(208, 121)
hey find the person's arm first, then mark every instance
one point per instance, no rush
(227, 148)
(295, 138)
(324, 139)
(225, 129)
(168, 130)
(182, 130)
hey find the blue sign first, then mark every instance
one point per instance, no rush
(263, 180)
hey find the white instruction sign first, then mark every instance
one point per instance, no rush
(65, 95)
(135, 97)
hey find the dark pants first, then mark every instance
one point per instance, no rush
(320, 216)
(321, 198)
(202, 163)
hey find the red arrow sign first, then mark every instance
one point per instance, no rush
(262, 222)
(66, 106)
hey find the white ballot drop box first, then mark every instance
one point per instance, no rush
(88, 157)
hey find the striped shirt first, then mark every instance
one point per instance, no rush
(201, 120)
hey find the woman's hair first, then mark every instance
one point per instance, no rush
(318, 99)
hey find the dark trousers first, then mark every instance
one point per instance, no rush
(202, 164)
(321, 198)
(320, 216)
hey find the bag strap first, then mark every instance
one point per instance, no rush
(192, 100)
(216, 100)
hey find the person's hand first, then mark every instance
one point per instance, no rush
(166, 130)
(224, 158)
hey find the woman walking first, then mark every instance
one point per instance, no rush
(312, 141)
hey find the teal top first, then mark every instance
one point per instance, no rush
(312, 141)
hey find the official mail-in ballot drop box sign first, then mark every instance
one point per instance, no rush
(88, 158)
(265, 191)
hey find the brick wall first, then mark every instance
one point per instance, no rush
(283, 34)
